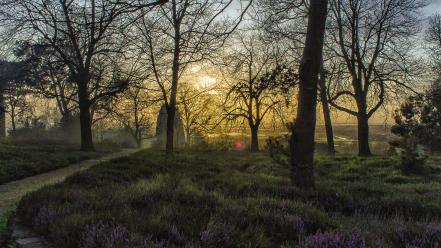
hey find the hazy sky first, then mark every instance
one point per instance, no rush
(433, 7)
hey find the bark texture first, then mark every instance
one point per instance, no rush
(85, 117)
(326, 114)
(302, 139)
(254, 139)
(2, 116)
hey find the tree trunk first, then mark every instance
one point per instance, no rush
(363, 135)
(254, 139)
(13, 122)
(302, 139)
(171, 110)
(85, 117)
(326, 114)
(2, 116)
(138, 142)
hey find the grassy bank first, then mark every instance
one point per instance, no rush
(229, 199)
(20, 160)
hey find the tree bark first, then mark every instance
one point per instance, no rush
(2, 116)
(302, 139)
(13, 122)
(171, 109)
(363, 135)
(326, 114)
(85, 117)
(138, 140)
(254, 139)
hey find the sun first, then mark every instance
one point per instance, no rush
(206, 81)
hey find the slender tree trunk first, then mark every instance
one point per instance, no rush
(254, 138)
(363, 135)
(138, 139)
(302, 139)
(2, 116)
(85, 117)
(187, 136)
(13, 122)
(326, 113)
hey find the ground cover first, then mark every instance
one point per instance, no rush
(23, 160)
(237, 199)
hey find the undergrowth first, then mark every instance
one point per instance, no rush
(234, 199)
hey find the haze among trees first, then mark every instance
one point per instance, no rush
(290, 82)
(112, 63)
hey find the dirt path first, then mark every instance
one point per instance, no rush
(12, 192)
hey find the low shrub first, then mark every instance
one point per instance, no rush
(104, 235)
(412, 158)
(334, 240)
(230, 199)
(421, 236)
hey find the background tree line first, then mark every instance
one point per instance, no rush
(100, 61)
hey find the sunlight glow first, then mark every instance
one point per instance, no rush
(206, 81)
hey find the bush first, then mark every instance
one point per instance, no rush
(412, 158)
(278, 149)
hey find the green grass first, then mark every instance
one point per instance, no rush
(20, 160)
(230, 199)
(3, 227)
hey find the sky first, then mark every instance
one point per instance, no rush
(433, 7)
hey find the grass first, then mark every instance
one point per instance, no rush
(3, 226)
(232, 199)
(21, 160)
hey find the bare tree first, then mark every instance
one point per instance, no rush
(179, 34)
(15, 103)
(372, 39)
(12, 77)
(50, 78)
(257, 83)
(433, 40)
(80, 32)
(131, 110)
(302, 139)
(198, 112)
(282, 21)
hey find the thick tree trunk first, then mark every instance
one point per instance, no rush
(326, 114)
(85, 118)
(171, 110)
(363, 135)
(2, 116)
(254, 139)
(302, 139)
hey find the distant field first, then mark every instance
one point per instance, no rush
(345, 138)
